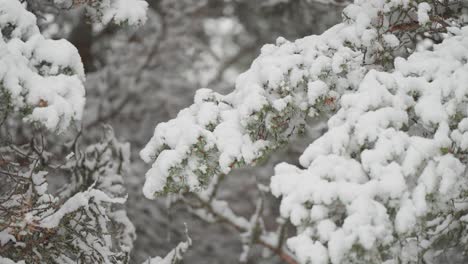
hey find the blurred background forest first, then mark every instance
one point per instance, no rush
(139, 77)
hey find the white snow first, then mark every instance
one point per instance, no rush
(423, 16)
(393, 168)
(40, 74)
(77, 201)
(391, 156)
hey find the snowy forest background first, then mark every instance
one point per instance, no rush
(142, 73)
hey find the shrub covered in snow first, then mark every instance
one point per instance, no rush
(85, 221)
(41, 78)
(386, 183)
(42, 93)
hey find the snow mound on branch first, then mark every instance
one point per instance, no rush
(174, 256)
(81, 199)
(390, 168)
(132, 12)
(40, 77)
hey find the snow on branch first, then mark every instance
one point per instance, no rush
(41, 82)
(388, 180)
(175, 256)
(81, 199)
(86, 221)
(286, 84)
(41, 78)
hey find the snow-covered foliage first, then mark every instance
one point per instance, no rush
(41, 78)
(287, 83)
(387, 182)
(140, 79)
(174, 256)
(41, 97)
(384, 182)
(85, 221)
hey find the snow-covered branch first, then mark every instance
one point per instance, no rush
(285, 85)
(392, 164)
(41, 97)
(387, 182)
(175, 256)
